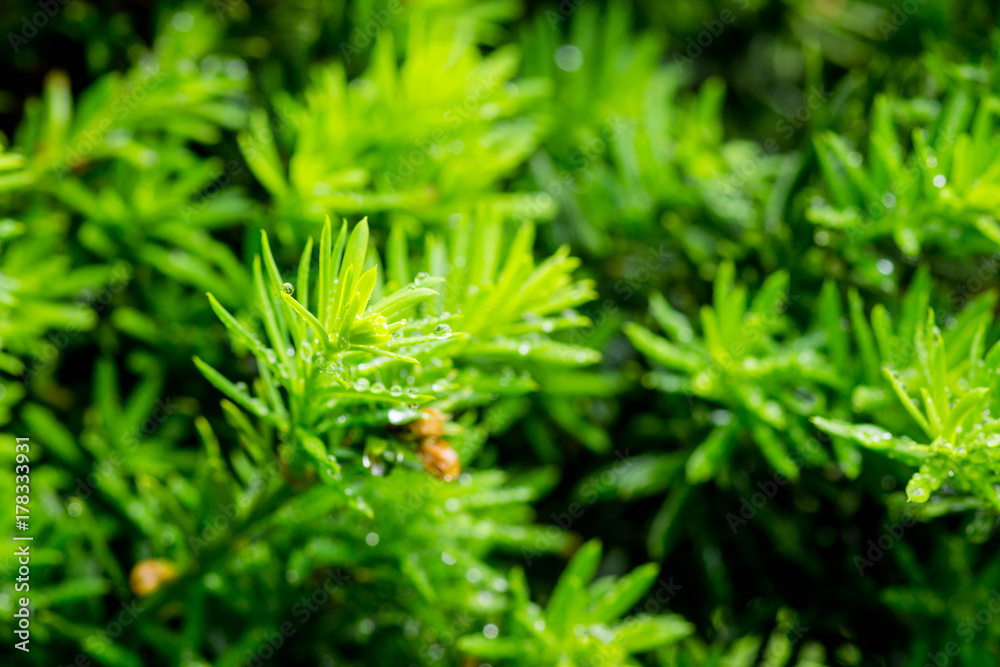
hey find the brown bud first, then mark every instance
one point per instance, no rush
(430, 424)
(149, 575)
(439, 459)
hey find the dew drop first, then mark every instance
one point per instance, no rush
(569, 58)
(399, 415)
(376, 467)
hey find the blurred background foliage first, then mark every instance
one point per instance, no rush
(674, 340)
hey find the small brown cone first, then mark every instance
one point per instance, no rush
(439, 459)
(430, 424)
(150, 575)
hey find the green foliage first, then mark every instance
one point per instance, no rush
(374, 353)
(423, 138)
(581, 624)
(624, 141)
(612, 252)
(948, 391)
(763, 386)
(777, 651)
(37, 288)
(929, 176)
